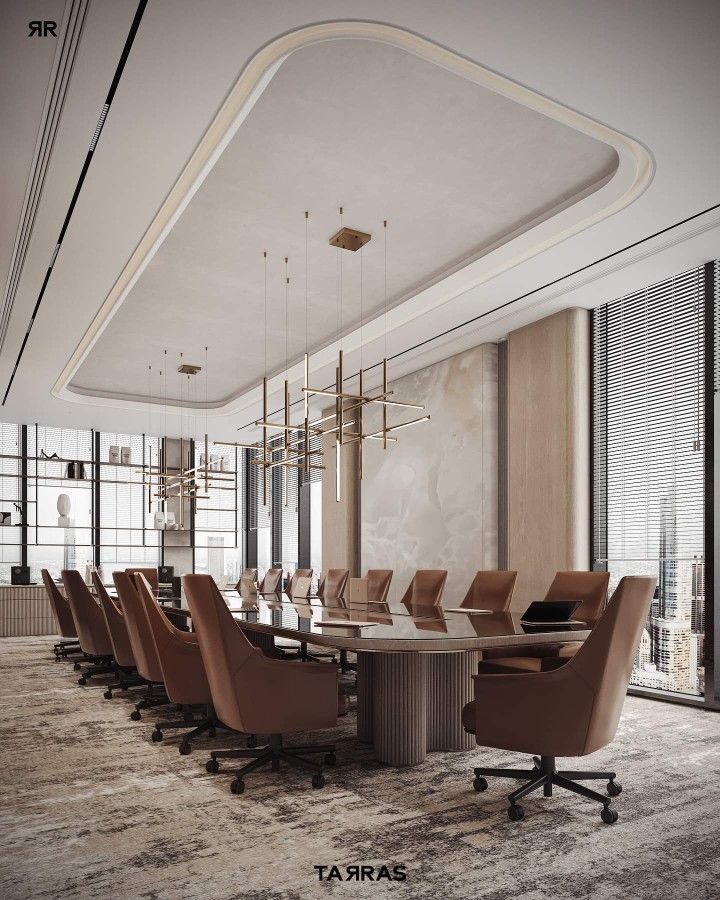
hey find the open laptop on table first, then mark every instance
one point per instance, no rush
(545, 613)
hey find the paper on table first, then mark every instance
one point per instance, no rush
(347, 623)
(471, 611)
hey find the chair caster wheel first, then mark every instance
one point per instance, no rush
(613, 788)
(237, 786)
(212, 766)
(185, 748)
(609, 816)
(480, 784)
(82, 680)
(108, 695)
(330, 759)
(318, 780)
(135, 715)
(252, 741)
(516, 813)
(76, 666)
(156, 736)
(211, 731)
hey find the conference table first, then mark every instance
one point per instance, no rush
(414, 664)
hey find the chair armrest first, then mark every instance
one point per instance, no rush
(545, 713)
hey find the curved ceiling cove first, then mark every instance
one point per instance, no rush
(473, 173)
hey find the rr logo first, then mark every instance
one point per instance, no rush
(42, 28)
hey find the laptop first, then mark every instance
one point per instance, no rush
(550, 612)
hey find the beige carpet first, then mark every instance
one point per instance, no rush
(92, 809)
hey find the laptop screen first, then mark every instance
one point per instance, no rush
(550, 611)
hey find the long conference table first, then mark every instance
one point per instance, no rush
(414, 664)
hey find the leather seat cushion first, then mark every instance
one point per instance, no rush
(514, 664)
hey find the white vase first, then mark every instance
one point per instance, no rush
(114, 454)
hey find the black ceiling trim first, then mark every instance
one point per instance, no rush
(78, 187)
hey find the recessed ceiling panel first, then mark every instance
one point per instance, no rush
(455, 168)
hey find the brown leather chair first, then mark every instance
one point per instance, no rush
(293, 580)
(491, 590)
(119, 638)
(90, 625)
(255, 693)
(332, 585)
(247, 573)
(141, 641)
(182, 667)
(63, 614)
(588, 587)
(426, 588)
(378, 584)
(271, 582)
(572, 710)
(150, 575)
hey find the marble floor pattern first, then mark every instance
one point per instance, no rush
(92, 809)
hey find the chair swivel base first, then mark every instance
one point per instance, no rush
(150, 699)
(208, 723)
(99, 665)
(126, 680)
(273, 754)
(544, 775)
(64, 649)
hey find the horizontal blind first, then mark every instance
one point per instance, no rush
(648, 422)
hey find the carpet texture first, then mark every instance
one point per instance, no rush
(92, 809)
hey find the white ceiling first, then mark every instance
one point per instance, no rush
(453, 166)
(620, 64)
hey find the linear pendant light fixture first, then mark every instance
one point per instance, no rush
(299, 441)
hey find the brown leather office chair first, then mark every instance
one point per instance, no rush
(426, 588)
(255, 693)
(572, 710)
(332, 585)
(182, 667)
(63, 614)
(293, 580)
(119, 638)
(90, 626)
(588, 587)
(490, 590)
(247, 573)
(271, 582)
(147, 661)
(150, 575)
(378, 584)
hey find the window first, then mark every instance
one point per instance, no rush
(649, 465)
(127, 533)
(218, 516)
(59, 462)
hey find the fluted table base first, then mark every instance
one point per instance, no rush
(411, 703)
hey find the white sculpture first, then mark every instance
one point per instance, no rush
(64, 505)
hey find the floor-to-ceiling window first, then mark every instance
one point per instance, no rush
(649, 468)
(219, 524)
(127, 534)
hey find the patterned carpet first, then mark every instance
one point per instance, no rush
(92, 809)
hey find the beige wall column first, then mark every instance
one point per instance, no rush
(340, 521)
(548, 412)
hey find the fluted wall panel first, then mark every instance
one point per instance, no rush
(25, 611)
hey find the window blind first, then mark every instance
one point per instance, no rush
(648, 422)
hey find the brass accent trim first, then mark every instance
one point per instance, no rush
(349, 239)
